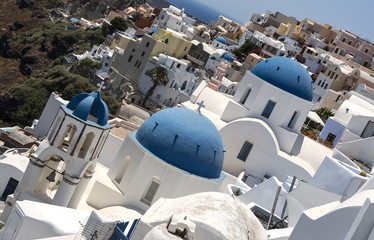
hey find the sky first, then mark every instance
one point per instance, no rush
(355, 16)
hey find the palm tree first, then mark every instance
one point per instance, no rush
(159, 78)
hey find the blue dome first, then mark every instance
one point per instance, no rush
(228, 57)
(184, 139)
(286, 74)
(85, 104)
(221, 40)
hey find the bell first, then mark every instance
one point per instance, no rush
(51, 177)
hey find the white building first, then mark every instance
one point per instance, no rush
(320, 89)
(216, 57)
(168, 159)
(353, 121)
(61, 166)
(183, 80)
(224, 43)
(173, 18)
(12, 167)
(199, 216)
(260, 125)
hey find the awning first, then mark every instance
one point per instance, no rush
(315, 118)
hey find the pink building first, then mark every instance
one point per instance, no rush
(216, 80)
(361, 50)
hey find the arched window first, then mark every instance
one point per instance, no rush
(122, 169)
(86, 145)
(245, 150)
(268, 109)
(337, 50)
(67, 137)
(245, 96)
(150, 192)
(293, 120)
(341, 53)
(184, 85)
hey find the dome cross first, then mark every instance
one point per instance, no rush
(201, 105)
(101, 86)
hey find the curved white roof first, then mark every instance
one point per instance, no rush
(14, 159)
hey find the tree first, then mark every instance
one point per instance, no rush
(159, 78)
(324, 113)
(117, 23)
(245, 49)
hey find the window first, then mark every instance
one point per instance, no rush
(332, 75)
(68, 136)
(330, 137)
(336, 76)
(366, 50)
(244, 152)
(293, 120)
(323, 84)
(369, 130)
(246, 96)
(143, 53)
(366, 64)
(329, 73)
(268, 109)
(140, 62)
(171, 85)
(133, 50)
(184, 85)
(185, 49)
(326, 86)
(357, 45)
(147, 44)
(349, 42)
(319, 83)
(86, 145)
(344, 39)
(151, 192)
(130, 57)
(136, 63)
(178, 65)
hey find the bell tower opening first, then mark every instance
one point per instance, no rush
(68, 136)
(86, 145)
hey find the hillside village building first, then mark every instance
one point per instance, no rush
(228, 162)
(167, 159)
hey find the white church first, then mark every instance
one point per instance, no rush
(176, 177)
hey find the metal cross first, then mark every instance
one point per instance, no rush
(101, 86)
(201, 104)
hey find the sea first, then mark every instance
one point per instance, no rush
(198, 10)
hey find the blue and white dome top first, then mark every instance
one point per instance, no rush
(221, 40)
(286, 74)
(228, 57)
(184, 139)
(89, 104)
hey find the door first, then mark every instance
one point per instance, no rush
(369, 130)
(10, 187)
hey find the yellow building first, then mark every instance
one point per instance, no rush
(308, 27)
(170, 43)
(285, 29)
